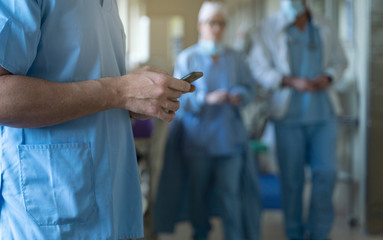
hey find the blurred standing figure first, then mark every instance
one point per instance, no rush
(298, 57)
(215, 139)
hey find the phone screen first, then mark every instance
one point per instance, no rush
(191, 77)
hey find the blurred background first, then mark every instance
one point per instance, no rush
(157, 30)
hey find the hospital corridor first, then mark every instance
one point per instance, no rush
(159, 30)
(191, 119)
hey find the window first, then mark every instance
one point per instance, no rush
(137, 29)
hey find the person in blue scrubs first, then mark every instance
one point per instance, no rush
(214, 138)
(67, 158)
(297, 56)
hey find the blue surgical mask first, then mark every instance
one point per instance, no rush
(292, 9)
(210, 47)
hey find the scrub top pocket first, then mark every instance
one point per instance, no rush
(57, 182)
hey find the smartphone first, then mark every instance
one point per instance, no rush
(191, 77)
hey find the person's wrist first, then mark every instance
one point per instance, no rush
(111, 86)
(287, 81)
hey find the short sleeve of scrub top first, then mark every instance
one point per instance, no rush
(78, 179)
(19, 34)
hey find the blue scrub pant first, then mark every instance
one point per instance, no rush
(313, 145)
(224, 173)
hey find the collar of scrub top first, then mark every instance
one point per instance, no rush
(284, 22)
(310, 28)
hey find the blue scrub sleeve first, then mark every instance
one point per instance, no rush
(246, 87)
(190, 102)
(20, 22)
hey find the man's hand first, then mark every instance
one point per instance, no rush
(149, 92)
(217, 97)
(321, 82)
(299, 84)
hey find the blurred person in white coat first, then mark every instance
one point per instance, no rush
(297, 56)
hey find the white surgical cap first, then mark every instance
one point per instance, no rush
(209, 9)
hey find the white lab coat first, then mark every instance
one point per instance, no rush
(269, 60)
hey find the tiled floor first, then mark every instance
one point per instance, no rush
(272, 223)
(272, 230)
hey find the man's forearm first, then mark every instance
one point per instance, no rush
(31, 102)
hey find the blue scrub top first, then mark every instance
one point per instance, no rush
(213, 130)
(79, 179)
(306, 60)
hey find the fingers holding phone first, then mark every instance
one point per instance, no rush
(149, 92)
(189, 78)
